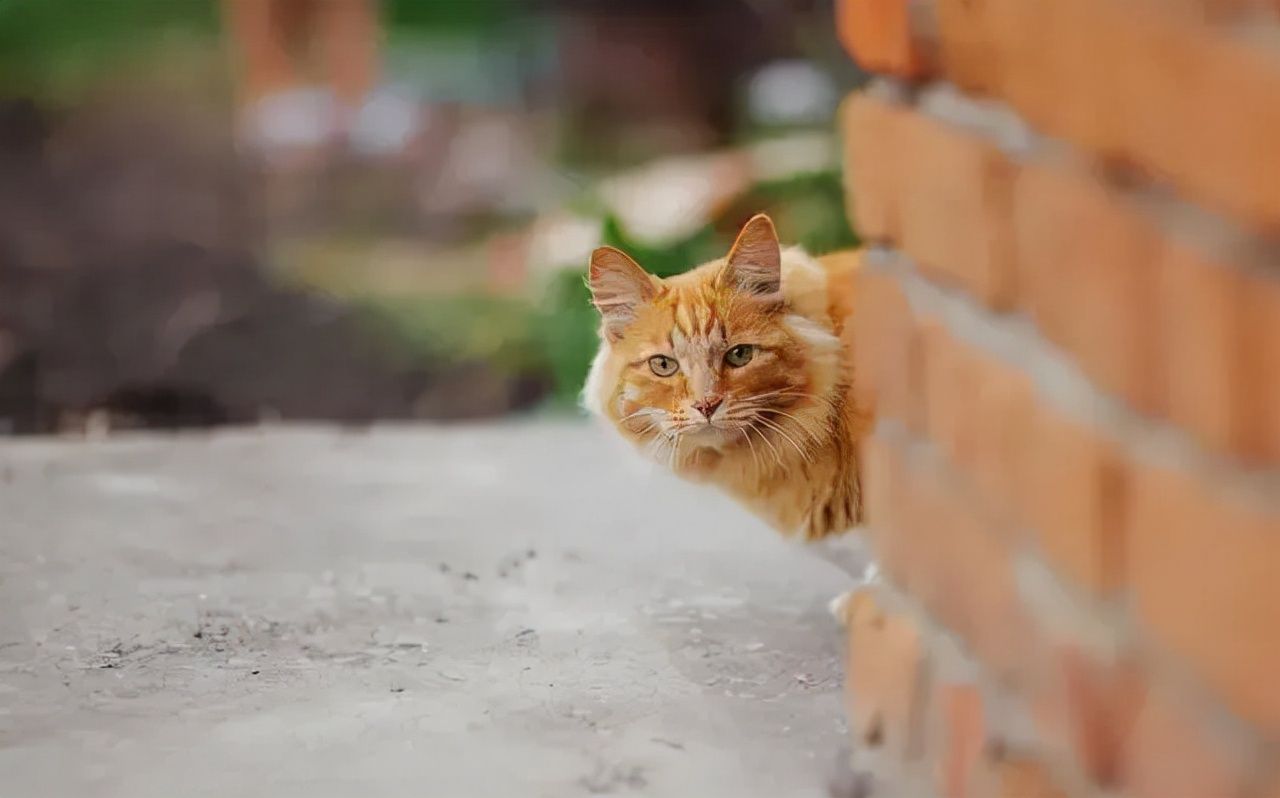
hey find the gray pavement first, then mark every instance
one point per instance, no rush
(407, 611)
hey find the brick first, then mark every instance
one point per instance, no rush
(1043, 197)
(878, 35)
(957, 210)
(883, 476)
(979, 411)
(1235, 167)
(1022, 35)
(967, 50)
(885, 357)
(1261, 387)
(873, 133)
(1085, 706)
(1085, 90)
(1113, 331)
(1006, 48)
(1086, 271)
(944, 551)
(885, 670)
(1137, 81)
(1134, 80)
(1073, 499)
(1162, 65)
(963, 736)
(948, 383)
(1004, 407)
(1171, 754)
(1204, 342)
(1013, 777)
(1054, 60)
(1204, 569)
(1177, 79)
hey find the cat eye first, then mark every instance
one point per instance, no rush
(740, 355)
(663, 366)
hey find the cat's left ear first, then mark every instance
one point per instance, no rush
(755, 262)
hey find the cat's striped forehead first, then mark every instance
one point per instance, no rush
(697, 319)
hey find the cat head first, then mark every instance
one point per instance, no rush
(731, 357)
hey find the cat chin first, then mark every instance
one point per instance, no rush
(717, 438)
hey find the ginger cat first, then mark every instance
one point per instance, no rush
(738, 374)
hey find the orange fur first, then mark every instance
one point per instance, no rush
(779, 432)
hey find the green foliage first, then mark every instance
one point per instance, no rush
(458, 16)
(51, 44)
(567, 326)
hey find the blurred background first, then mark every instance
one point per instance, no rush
(224, 211)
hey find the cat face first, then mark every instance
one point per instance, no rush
(715, 360)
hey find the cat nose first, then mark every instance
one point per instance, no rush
(708, 405)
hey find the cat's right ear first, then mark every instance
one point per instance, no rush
(618, 288)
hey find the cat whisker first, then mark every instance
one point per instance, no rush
(644, 411)
(778, 429)
(655, 448)
(652, 426)
(803, 427)
(776, 392)
(777, 455)
(755, 457)
(765, 398)
(785, 392)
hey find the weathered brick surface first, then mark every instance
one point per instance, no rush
(1204, 341)
(1260, 388)
(873, 135)
(957, 195)
(1204, 568)
(1085, 706)
(1135, 80)
(885, 677)
(1219, 329)
(1073, 498)
(942, 550)
(1012, 777)
(1087, 261)
(1170, 754)
(979, 411)
(962, 737)
(886, 350)
(1074, 484)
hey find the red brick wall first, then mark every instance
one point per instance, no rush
(1071, 329)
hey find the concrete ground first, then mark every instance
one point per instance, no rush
(470, 611)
